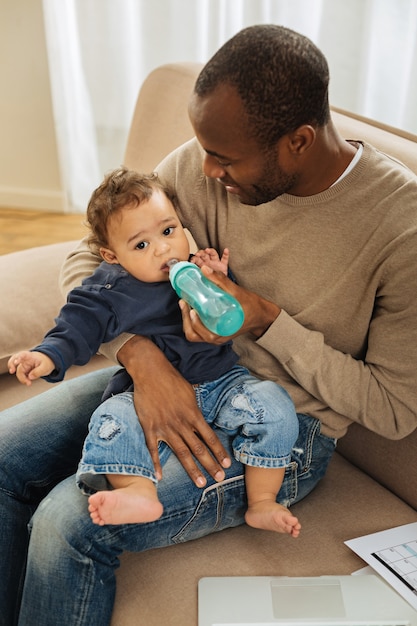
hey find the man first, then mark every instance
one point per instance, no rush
(322, 234)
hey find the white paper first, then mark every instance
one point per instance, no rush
(392, 554)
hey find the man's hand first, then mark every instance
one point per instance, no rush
(259, 313)
(166, 405)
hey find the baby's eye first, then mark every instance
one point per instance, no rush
(169, 231)
(142, 245)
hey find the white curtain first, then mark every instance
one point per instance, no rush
(101, 50)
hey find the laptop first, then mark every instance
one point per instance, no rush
(308, 601)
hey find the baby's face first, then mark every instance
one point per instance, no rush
(143, 238)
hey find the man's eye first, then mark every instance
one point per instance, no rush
(141, 245)
(223, 163)
(169, 230)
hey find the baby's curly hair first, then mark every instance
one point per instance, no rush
(121, 188)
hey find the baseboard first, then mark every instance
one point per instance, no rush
(39, 199)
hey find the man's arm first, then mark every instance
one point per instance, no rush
(378, 392)
(175, 418)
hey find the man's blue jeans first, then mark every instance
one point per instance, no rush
(71, 562)
(258, 414)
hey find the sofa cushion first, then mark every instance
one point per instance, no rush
(33, 298)
(391, 463)
(160, 586)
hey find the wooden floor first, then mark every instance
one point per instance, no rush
(20, 229)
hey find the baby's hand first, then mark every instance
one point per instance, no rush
(29, 366)
(209, 257)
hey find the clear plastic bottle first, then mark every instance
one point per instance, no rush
(220, 312)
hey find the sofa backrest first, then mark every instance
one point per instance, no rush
(160, 121)
(392, 141)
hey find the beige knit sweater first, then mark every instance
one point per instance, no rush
(342, 265)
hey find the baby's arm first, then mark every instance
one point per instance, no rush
(29, 366)
(210, 257)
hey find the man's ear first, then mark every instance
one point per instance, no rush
(108, 255)
(301, 139)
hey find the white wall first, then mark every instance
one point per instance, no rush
(29, 170)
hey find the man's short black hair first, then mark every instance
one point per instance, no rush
(280, 75)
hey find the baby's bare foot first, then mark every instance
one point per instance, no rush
(122, 506)
(269, 515)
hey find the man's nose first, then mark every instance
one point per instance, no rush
(211, 167)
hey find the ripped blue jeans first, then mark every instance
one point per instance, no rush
(258, 415)
(64, 564)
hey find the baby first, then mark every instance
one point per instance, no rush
(135, 227)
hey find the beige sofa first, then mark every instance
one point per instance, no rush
(371, 483)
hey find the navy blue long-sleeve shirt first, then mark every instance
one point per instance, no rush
(111, 302)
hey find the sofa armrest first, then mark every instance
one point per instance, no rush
(31, 297)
